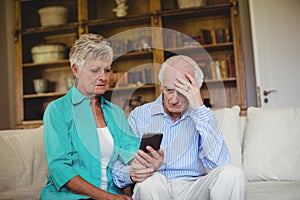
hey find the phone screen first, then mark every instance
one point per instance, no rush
(151, 139)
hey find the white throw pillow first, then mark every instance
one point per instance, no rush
(23, 165)
(271, 144)
(228, 123)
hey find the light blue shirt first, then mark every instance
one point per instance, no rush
(72, 146)
(191, 144)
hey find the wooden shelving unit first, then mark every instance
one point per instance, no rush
(97, 16)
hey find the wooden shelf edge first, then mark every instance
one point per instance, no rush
(115, 20)
(148, 86)
(65, 61)
(27, 124)
(196, 10)
(133, 54)
(204, 46)
(232, 79)
(61, 28)
(48, 94)
(54, 94)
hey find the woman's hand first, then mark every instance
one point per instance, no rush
(80, 186)
(109, 196)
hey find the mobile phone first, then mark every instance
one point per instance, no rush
(151, 139)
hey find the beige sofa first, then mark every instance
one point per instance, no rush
(265, 144)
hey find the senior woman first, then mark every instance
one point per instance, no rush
(84, 134)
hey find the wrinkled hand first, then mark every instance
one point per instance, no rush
(117, 197)
(144, 164)
(110, 196)
(190, 90)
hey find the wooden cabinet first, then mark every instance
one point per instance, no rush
(151, 31)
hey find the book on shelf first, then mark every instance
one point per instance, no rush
(223, 68)
(220, 35)
(228, 35)
(214, 36)
(205, 69)
(205, 36)
(230, 67)
(172, 39)
(218, 68)
(135, 78)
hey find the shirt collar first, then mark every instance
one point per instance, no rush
(157, 107)
(77, 97)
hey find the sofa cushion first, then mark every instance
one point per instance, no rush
(270, 190)
(23, 168)
(229, 124)
(271, 144)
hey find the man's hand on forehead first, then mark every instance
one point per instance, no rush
(188, 87)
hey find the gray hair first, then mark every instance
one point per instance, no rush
(175, 61)
(90, 46)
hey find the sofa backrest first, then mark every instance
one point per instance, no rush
(271, 149)
(265, 143)
(229, 125)
(23, 168)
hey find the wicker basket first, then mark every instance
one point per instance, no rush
(53, 15)
(48, 53)
(190, 3)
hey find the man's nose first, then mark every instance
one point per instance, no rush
(175, 99)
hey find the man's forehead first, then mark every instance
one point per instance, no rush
(178, 71)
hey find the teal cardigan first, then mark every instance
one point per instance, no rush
(72, 146)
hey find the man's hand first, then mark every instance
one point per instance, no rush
(190, 90)
(145, 164)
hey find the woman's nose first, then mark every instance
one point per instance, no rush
(102, 75)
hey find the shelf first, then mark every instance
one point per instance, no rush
(208, 81)
(128, 20)
(42, 95)
(51, 29)
(148, 86)
(54, 94)
(59, 62)
(202, 11)
(201, 48)
(134, 54)
(30, 124)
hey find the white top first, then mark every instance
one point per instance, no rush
(106, 150)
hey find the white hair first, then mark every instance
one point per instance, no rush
(90, 46)
(175, 61)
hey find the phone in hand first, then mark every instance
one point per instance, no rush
(151, 139)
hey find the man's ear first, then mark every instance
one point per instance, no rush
(75, 70)
(161, 88)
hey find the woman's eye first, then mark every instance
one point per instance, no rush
(94, 70)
